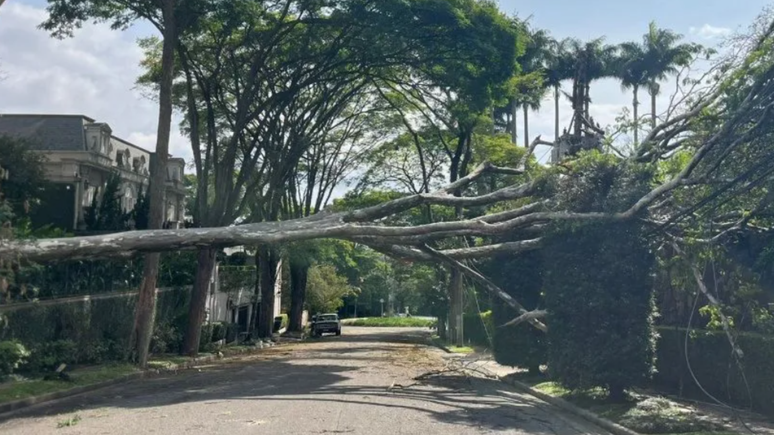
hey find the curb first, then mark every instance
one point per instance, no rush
(16, 405)
(604, 423)
(10, 407)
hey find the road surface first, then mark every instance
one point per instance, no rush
(359, 383)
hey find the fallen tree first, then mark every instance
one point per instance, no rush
(722, 131)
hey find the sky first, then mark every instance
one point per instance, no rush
(93, 73)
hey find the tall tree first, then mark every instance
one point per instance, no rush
(594, 60)
(663, 56)
(171, 18)
(559, 67)
(633, 75)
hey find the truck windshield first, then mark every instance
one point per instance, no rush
(326, 318)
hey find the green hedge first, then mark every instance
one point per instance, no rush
(710, 357)
(88, 332)
(477, 328)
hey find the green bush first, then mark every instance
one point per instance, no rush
(710, 357)
(478, 327)
(521, 276)
(598, 282)
(391, 322)
(12, 354)
(600, 304)
(48, 356)
(166, 338)
(285, 321)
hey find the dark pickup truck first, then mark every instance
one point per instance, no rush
(325, 323)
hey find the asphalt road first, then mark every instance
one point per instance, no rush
(359, 383)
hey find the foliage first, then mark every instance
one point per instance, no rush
(106, 213)
(12, 354)
(711, 361)
(391, 322)
(326, 289)
(48, 356)
(521, 276)
(478, 328)
(598, 284)
(27, 177)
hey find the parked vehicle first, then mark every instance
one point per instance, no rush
(326, 323)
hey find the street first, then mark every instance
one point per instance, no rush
(359, 383)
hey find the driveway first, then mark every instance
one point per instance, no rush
(359, 383)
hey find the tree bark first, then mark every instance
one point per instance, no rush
(526, 126)
(635, 103)
(514, 130)
(556, 113)
(205, 262)
(146, 299)
(298, 276)
(267, 271)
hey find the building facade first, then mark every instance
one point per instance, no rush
(81, 154)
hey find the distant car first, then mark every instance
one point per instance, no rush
(326, 323)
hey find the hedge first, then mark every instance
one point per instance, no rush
(86, 332)
(478, 328)
(710, 357)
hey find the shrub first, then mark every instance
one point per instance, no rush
(478, 328)
(597, 281)
(710, 357)
(599, 299)
(285, 321)
(166, 338)
(48, 356)
(521, 276)
(12, 354)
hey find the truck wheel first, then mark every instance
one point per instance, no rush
(338, 332)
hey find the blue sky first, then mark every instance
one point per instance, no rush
(93, 73)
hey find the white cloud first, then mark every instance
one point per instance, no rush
(709, 31)
(92, 74)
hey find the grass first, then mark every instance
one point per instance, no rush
(405, 322)
(22, 389)
(642, 413)
(72, 421)
(461, 349)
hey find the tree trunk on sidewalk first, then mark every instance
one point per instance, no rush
(146, 299)
(205, 263)
(268, 258)
(298, 276)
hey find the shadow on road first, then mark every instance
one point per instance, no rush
(327, 370)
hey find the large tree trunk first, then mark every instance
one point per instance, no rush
(268, 258)
(556, 113)
(146, 299)
(456, 292)
(526, 126)
(205, 263)
(514, 130)
(635, 103)
(298, 276)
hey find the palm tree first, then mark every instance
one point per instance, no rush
(559, 68)
(632, 71)
(531, 87)
(593, 61)
(663, 57)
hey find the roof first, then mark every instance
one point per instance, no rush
(47, 132)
